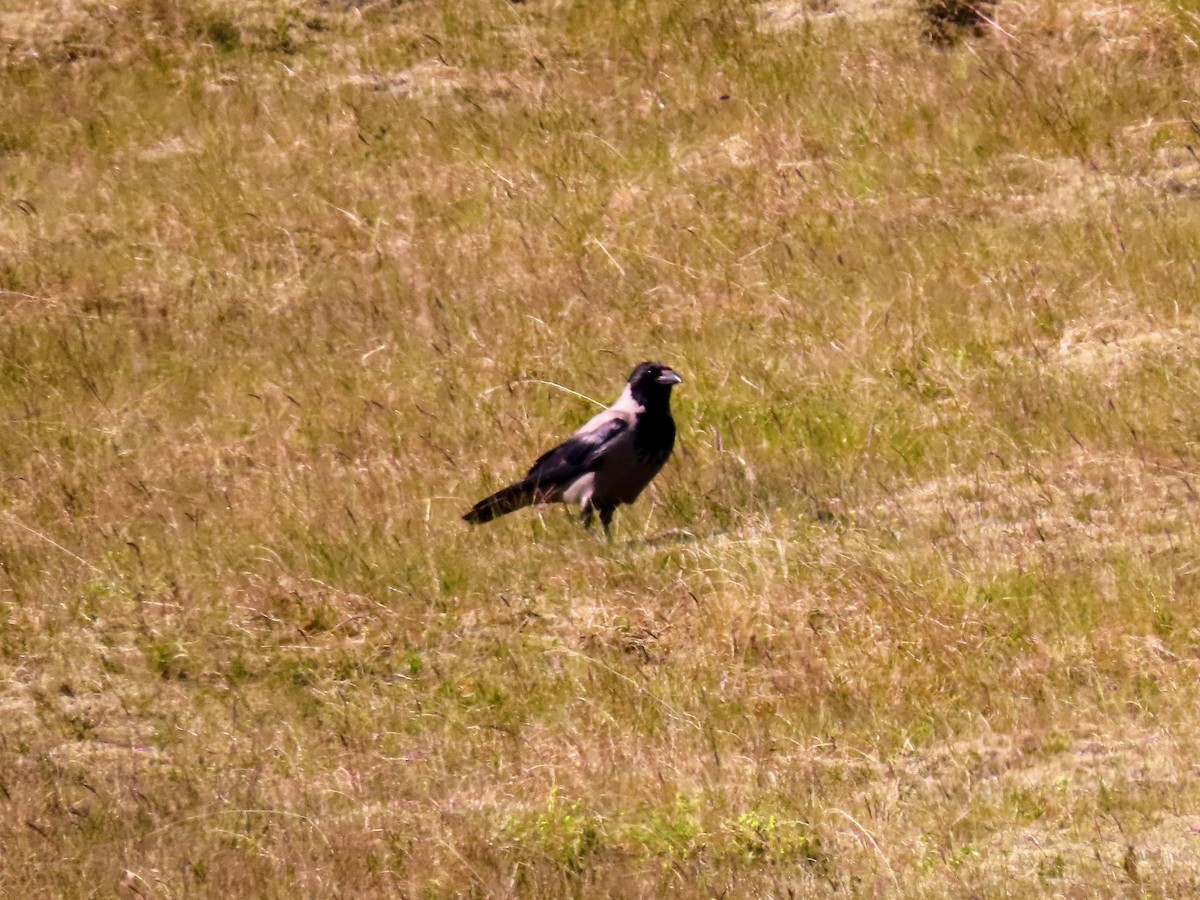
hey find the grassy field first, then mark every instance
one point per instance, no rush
(913, 611)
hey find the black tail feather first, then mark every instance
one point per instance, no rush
(502, 502)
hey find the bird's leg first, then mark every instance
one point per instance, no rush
(588, 510)
(606, 514)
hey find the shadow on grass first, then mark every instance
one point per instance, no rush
(678, 536)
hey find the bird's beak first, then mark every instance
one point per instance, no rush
(669, 377)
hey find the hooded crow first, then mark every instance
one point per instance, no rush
(607, 462)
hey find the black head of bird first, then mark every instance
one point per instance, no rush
(651, 382)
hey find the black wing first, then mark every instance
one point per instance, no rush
(577, 454)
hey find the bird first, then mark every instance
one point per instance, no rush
(607, 462)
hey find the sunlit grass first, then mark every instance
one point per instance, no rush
(912, 610)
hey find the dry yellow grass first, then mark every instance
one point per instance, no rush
(912, 612)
